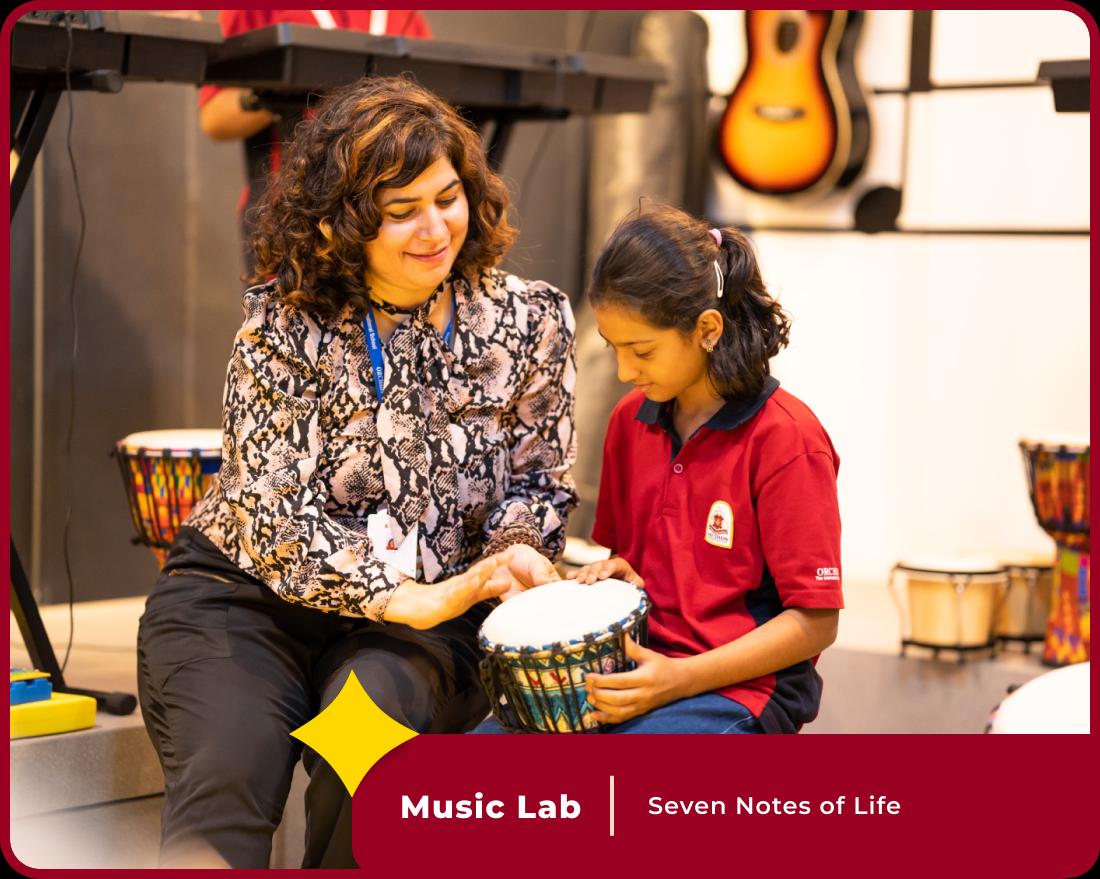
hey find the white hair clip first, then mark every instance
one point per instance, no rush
(716, 234)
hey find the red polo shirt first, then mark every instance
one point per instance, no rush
(728, 530)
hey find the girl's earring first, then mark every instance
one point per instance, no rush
(708, 346)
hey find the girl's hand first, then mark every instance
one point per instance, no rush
(656, 681)
(612, 567)
(523, 567)
(424, 605)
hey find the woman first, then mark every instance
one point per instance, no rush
(397, 434)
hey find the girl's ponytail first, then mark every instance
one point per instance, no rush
(755, 325)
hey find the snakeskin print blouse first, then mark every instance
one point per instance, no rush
(301, 464)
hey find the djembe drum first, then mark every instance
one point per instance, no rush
(540, 645)
(1058, 481)
(165, 472)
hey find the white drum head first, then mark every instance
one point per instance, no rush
(178, 443)
(972, 565)
(1054, 702)
(564, 610)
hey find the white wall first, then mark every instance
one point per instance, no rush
(995, 159)
(1002, 46)
(927, 359)
(927, 356)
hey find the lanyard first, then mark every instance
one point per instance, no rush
(374, 344)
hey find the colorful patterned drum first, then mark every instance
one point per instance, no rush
(1067, 639)
(1058, 481)
(165, 473)
(540, 645)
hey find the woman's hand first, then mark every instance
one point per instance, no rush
(657, 680)
(424, 605)
(523, 567)
(612, 567)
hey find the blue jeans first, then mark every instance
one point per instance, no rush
(709, 713)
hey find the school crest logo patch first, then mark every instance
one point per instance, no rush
(719, 525)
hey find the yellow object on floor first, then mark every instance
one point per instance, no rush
(62, 712)
(26, 674)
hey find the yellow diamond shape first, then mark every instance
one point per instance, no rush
(353, 733)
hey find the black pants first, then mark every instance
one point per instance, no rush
(227, 669)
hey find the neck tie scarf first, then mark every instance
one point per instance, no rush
(412, 421)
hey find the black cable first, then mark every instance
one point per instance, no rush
(76, 338)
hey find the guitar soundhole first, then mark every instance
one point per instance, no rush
(786, 36)
(779, 112)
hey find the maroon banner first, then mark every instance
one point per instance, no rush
(952, 806)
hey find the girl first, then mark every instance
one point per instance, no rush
(718, 489)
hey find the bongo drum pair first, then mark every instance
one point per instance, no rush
(540, 645)
(971, 604)
(165, 472)
(1058, 482)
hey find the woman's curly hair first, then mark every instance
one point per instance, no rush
(321, 209)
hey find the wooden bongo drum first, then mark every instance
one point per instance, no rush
(948, 604)
(1025, 608)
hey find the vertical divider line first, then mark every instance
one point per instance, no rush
(612, 809)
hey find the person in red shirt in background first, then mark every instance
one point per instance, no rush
(232, 113)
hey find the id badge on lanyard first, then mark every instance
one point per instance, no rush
(385, 548)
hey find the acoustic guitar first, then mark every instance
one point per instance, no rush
(797, 120)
